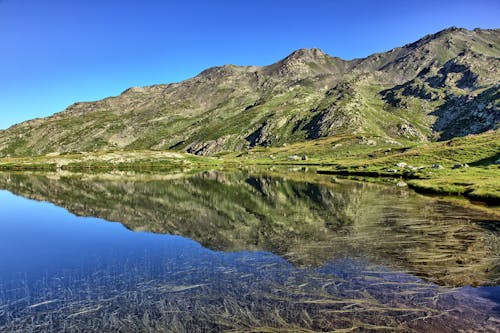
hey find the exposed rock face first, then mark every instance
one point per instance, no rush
(469, 114)
(442, 86)
(208, 147)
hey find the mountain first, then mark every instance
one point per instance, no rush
(442, 86)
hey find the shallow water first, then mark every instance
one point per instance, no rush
(240, 252)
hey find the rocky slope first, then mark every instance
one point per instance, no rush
(443, 85)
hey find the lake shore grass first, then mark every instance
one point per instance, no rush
(465, 166)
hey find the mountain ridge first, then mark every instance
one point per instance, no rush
(443, 85)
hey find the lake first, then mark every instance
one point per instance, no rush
(246, 251)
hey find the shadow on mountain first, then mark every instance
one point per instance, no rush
(486, 161)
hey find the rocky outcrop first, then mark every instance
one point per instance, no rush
(208, 147)
(468, 114)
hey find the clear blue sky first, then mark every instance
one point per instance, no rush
(56, 52)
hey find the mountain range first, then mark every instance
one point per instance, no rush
(442, 86)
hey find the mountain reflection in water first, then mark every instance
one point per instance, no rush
(296, 252)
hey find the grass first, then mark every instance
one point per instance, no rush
(350, 154)
(138, 160)
(475, 183)
(344, 154)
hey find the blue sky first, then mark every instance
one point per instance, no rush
(56, 52)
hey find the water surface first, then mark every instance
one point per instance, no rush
(240, 252)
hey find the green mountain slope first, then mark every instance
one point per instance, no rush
(444, 85)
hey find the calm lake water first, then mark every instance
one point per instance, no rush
(241, 252)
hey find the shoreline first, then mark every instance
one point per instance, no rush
(420, 183)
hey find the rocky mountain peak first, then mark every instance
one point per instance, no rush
(219, 71)
(448, 32)
(305, 62)
(307, 54)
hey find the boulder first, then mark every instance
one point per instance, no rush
(459, 166)
(368, 142)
